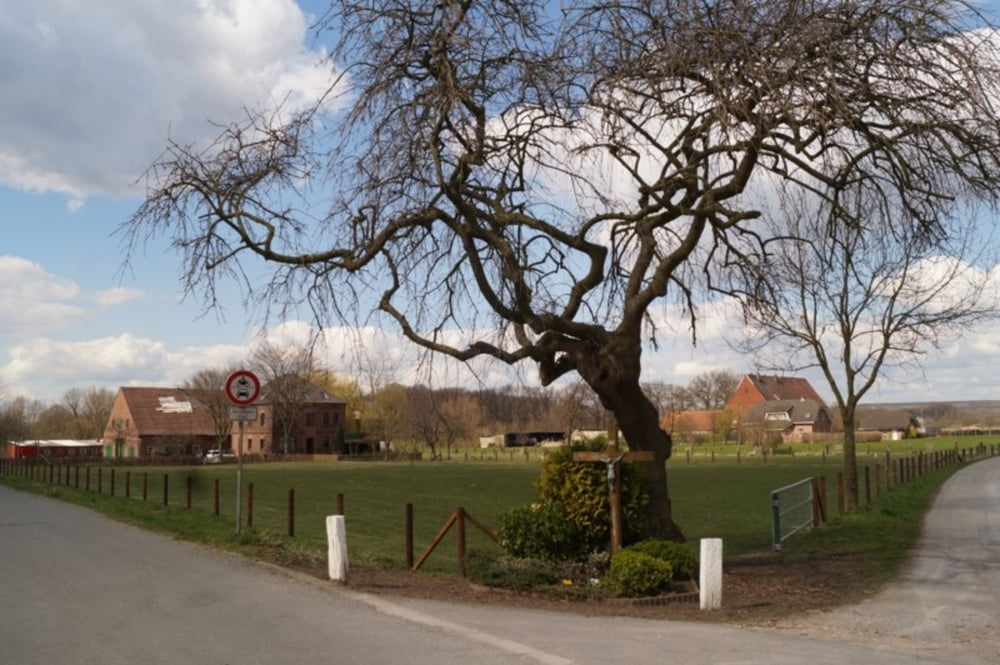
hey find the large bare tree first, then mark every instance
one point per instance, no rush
(513, 180)
(861, 306)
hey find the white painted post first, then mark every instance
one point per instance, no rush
(710, 577)
(336, 535)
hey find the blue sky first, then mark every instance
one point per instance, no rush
(91, 91)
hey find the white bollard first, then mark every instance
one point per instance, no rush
(336, 535)
(710, 577)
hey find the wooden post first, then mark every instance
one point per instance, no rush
(249, 504)
(291, 513)
(166, 489)
(868, 485)
(340, 504)
(128, 484)
(100, 479)
(814, 484)
(145, 485)
(112, 481)
(460, 537)
(409, 535)
(840, 493)
(215, 496)
(187, 493)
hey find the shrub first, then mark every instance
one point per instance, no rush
(581, 489)
(539, 531)
(635, 574)
(507, 572)
(680, 557)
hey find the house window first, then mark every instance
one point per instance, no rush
(262, 418)
(326, 419)
(249, 445)
(310, 419)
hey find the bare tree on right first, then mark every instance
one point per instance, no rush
(859, 305)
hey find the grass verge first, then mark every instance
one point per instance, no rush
(711, 500)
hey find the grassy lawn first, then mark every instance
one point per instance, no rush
(725, 495)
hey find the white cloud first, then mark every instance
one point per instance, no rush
(116, 296)
(92, 90)
(33, 300)
(46, 368)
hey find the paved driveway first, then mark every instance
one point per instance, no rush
(947, 603)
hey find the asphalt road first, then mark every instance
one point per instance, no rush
(78, 588)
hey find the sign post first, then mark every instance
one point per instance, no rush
(242, 389)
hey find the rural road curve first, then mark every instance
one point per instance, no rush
(78, 588)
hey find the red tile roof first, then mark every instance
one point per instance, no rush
(167, 411)
(783, 387)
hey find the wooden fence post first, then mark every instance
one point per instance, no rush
(868, 485)
(145, 485)
(128, 484)
(291, 513)
(112, 481)
(215, 496)
(840, 493)
(340, 504)
(460, 533)
(250, 504)
(187, 493)
(166, 489)
(409, 535)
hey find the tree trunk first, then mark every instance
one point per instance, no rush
(613, 373)
(850, 461)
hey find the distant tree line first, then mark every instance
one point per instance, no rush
(80, 414)
(438, 418)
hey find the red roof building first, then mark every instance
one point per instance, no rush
(756, 388)
(157, 421)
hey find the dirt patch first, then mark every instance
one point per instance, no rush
(758, 589)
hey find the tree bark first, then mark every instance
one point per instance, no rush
(612, 372)
(850, 461)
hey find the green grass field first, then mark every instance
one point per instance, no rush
(725, 496)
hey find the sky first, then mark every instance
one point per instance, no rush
(93, 90)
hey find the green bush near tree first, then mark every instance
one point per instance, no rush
(540, 531)
(680, 556)
(634, 574)
(510, 572)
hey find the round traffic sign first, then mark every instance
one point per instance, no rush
(242, 387)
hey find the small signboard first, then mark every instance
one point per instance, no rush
(242, 387)
(243, 413)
